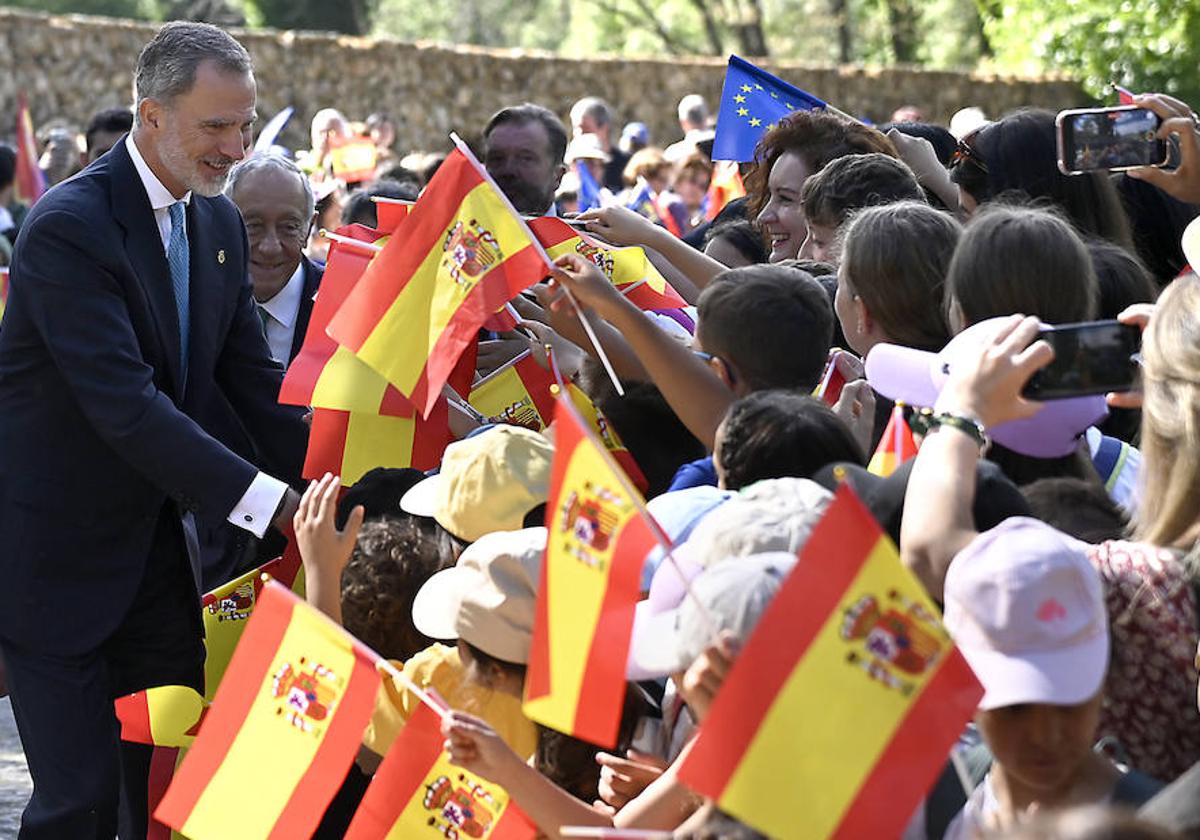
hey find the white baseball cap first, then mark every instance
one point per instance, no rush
(1026, 609)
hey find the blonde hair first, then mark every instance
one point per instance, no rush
(1170, 474)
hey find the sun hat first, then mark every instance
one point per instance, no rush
(916, 377)
(487, 599)
(586, 147)
(1026, 609)
(677, 513)
(488, 482)
(733, 595)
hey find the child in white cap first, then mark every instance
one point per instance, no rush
(1026, 609)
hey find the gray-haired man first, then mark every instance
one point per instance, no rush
(129, 313)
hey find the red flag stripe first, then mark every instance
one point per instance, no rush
(551, 231)
(235, 697)
(326, 442)
(134, 713)
(420, 232)
(909, 764)
(422, 744)
(840, 534)
(162, 770)
(326, 773)
(603, 687)
(526, 268)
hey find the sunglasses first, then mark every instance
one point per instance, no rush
(965, 152)
(707, 359)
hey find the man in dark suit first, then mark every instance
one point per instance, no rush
(277, 207)
(129, 309)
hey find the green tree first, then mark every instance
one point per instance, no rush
(1153, 45)
(140, 9)
(353, 17)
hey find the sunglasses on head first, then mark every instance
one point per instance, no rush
(965, 152)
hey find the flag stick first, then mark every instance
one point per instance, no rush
(587, 327)
(379, 199)
(351, 242)
(456, 400)
(408, 683)
(633, 286)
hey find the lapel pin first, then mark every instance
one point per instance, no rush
(221, 257)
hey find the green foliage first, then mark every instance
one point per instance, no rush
(139, 9)
(1151, 45)
(350, 16)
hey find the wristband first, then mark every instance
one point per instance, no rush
(964, 423)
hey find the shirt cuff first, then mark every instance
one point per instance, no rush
(254, 510)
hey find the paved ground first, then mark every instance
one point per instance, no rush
(14, 778)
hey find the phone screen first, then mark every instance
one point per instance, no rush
(1110, 138)
(1089, 358)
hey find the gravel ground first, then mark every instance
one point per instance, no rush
(14, 777)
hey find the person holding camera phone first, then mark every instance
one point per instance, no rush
(1149, 696)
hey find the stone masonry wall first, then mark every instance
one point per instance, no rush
(70, 66)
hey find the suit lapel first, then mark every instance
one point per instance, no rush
(143, 247)
(312, 279)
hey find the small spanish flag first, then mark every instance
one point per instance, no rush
(850, 660)
(459, 256)
(284, 728)
(3, 289)
(325, 375)
(607, 435)
(725, 185)
(599, 534)
(166, 715)
(351, 443)
(29, 179)
(353, 160)
(629, 269)
(225, 610)
(895, 447)
(389, 213)
(517, 394)
(417, 792)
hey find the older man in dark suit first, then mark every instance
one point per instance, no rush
(129, 310)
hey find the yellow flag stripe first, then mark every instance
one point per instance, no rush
(374, 440)
(347, 383)
(405, 336)
(804, 729)
(254, 804)
(576, 593)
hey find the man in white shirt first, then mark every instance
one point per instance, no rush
(128, 315)
(277, 207)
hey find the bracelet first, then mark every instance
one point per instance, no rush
(964, 423)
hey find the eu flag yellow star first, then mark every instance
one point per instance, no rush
(739, 98)
(756, 122)
(746, 88)
(741, 112)
(758, 86)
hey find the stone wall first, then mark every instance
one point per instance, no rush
(70, 66)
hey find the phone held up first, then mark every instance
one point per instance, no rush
(1108, 140)
(1094, 357)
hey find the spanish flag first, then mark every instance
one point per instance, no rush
(389, 213)
(629, 269)
(599, 534)
(3, 289)
(29, 179)
(282, 732)
(607, 435)
(166, 715)
(895, 447)
(725, 185)
(518, 394)
(460, 255)
(840, 711)
(225, 610)
(351, 443)
(353, 160)
(324, 374)
(417, 793)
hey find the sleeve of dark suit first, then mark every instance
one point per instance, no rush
(78, 308)
(250, 381)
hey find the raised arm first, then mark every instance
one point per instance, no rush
(622, 226)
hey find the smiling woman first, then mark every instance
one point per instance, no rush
(787, 155)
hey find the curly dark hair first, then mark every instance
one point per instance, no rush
(818, 137)
(856, 181)
(391, 560)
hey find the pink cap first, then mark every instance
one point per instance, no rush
(916, 377)
(1026, 609)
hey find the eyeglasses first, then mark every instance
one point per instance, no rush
(707, 358)
(966, 152)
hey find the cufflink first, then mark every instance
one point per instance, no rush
(221, 256)
(248, 518)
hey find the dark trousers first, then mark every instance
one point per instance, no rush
(85, 783)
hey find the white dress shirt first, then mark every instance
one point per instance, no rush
(282, 312)
(254, 510)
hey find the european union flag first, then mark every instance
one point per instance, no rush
(752, 103)
(589, 189)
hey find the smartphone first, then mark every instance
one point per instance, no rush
(1108, 140)
(1094, 357)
